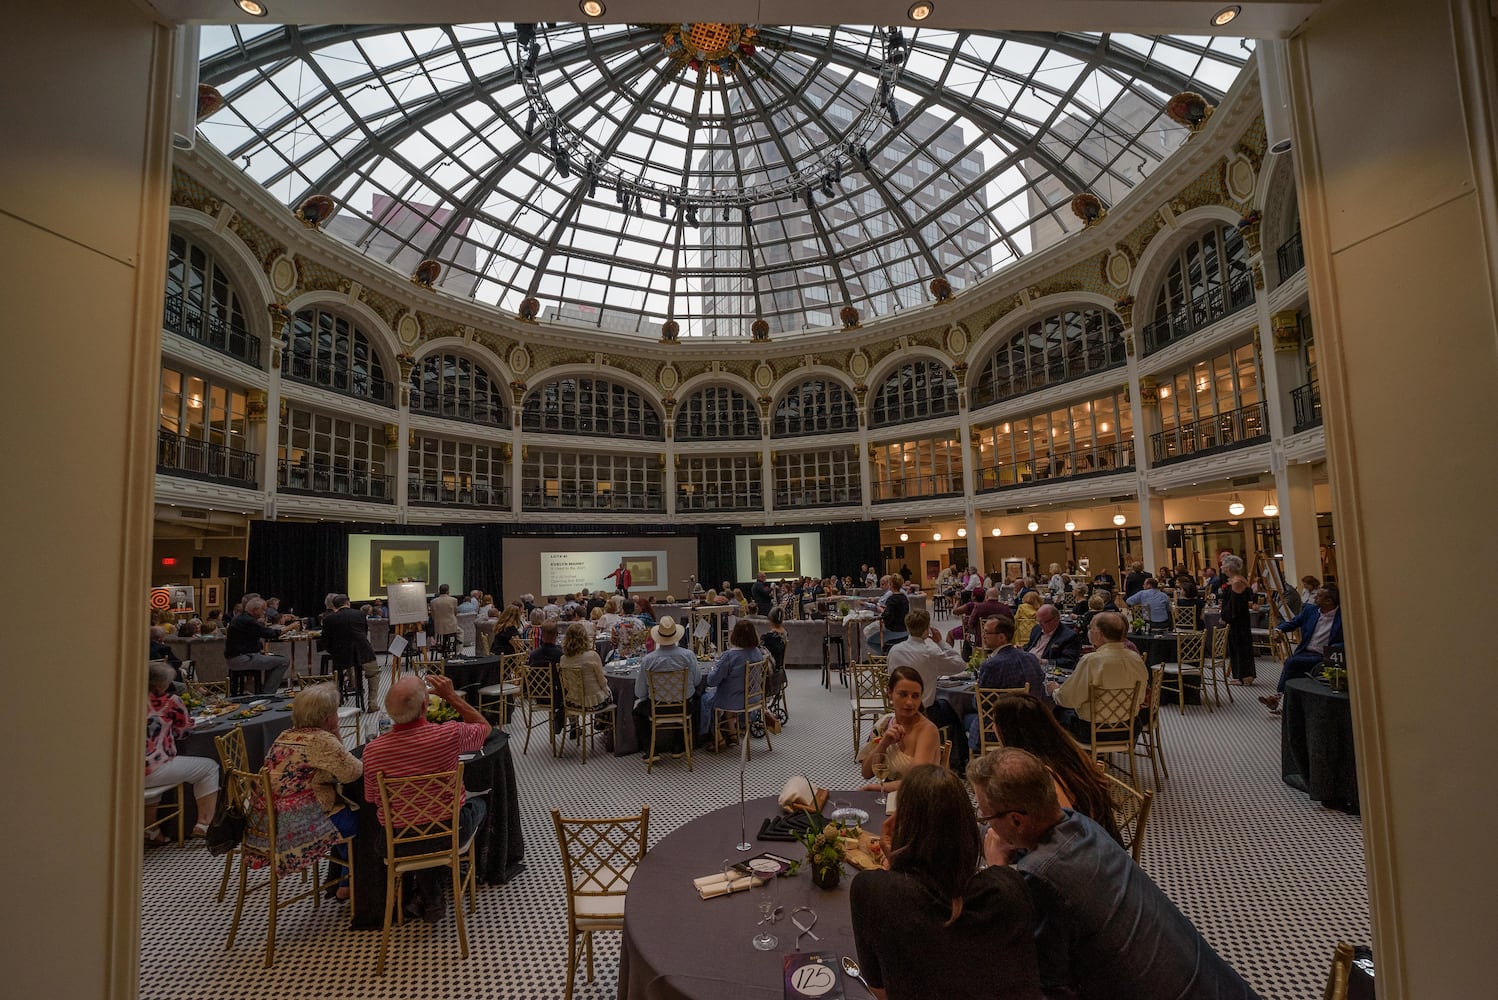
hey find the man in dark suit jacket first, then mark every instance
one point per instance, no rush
(1320, 633)
(1051, 640)
(345, 634)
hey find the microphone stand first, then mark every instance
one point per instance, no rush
(743, 844)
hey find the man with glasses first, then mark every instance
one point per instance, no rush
(1053, 641)
(1106, 930)
(1007, 666)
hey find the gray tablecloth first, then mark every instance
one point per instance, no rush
(260, 731)
(1316, 749)
(627, 739)
(803, 647)
(679, 947)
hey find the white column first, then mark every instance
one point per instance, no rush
(1300, 539)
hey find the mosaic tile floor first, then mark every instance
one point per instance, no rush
(1272, 879)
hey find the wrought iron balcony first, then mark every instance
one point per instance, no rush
(178, 455)
(1099, 358)
(1201, 313)
(611, 502)
(319, 480)
(1222, 432)
(1291, 256)
(340, 379)
(194, 323)
(474, 411)
(845, 495)
(456, 493)
(1102, 460)
(943, 484)
(1307, 400)
(704, 498)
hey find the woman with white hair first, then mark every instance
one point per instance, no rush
(306, 764)
(1236, 600)
(167, 721)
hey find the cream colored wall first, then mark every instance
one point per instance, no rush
(83, 192)
(1395, 157)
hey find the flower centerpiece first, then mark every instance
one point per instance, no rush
(824, 852)
(439, 710)
(976, 660)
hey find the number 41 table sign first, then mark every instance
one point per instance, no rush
(813, 974)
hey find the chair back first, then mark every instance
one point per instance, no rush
(1113, 711)
(599, 857)
(431, 664)
(1191, 648)
(946, 755)
(511, 668)
(668, 688)
(535, 681)
(209, 690)
(868, 682)
(629, 638)
(988, 728)
(1131, 810)
(1219, 646)
(251, 792)
(232, 752)
(573, 689)
(302, 681)
(421, 809)
(1341, 972)
(755, 675)
(1185, 616)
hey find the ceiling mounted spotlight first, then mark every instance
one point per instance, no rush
(1033, 526)
(894, 112)
(961, 532)
(1235, 506)
(254, 8)
(592, 8)
(1226, 15)
(920, 10)
(904, 536)
(995, 532)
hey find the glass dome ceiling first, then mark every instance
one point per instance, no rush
(712, 174)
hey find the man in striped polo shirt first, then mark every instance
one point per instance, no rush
(415, 746)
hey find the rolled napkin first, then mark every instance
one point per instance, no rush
(798, 795)
(719, 885)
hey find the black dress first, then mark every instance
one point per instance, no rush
(1240, 636)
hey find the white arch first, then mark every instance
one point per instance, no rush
(648, 392)
(880, 373)
(477, 353)
(381, 338)
(1013, 321)
(706, 380)
(251, 282)
(1155, 260)
(807, 373)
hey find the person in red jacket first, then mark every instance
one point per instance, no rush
(621, 578)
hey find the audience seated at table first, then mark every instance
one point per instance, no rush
(166, 722)
(1106, 931)
(725, 685)
(932, 924)
(159, 650)
(891, 607)
(244, 645)
(976, 610)
(645, 610)
(1006, 666)
(1155, 602)
(926, 654)
(579, 653)
(345, 634)
(1111, 664)
(667, 655)
(904, 736)
(1320, 626)
(547, 655)
(307, 763)
(1027, 723)
(1051, 640)
(415, 746)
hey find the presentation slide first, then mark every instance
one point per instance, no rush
(376, 561)
(779, 556)
(569, 572)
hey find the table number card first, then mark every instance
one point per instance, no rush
(813, 974)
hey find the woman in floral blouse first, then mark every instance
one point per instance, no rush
(167, 722)
(306, 764)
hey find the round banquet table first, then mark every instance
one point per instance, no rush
(659, 960)
(1316, 749)
(472, 671)
(260, 731)
(625, 738)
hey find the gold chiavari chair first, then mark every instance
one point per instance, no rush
(1148, 738)
(538, 697)
(588, 720)
(233, 756)
(1220, 665)
(670, 696)
(869, 699)
(494, 699)
(754, 701)
(988, 728)
(599, 856)
(1131, 810)
(1112, 724)
(1191, 648)
(1341, 972)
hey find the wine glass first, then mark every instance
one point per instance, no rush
(881, 768)
(765, 902)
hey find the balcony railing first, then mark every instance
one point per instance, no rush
(1200, 314)
(1098, 359)
(340, 379)
(439, 493)
(1102, 460)
(322, 481)
(192, 322)
(942, 484)
(184, 456)
(1307, 400)
(618, 503)
(818, 496)
(474, 411)
(1210, 434)
(700, 499)
(1291, 256)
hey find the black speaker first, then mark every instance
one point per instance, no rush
(202, 567)
(229, 566)
(1173, 538)
(888, 553)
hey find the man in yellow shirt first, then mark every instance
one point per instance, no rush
(1111, 664)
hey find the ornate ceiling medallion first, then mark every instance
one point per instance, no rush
(716, 47)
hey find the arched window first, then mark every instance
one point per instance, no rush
(592, 406)
(328, 350)
(1209, 278)
(915, 391)
(201, 302)
(717, 413)
(1065, 345)
(450, 385)
(816, 406)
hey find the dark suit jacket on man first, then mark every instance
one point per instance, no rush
(1065, 648)
(346, 635)
(1306, 622)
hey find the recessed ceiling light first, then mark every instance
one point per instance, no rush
(920, 10)
(1226, 15)
(592, 8)
(254, 8)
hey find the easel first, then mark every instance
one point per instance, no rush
(1271, 570)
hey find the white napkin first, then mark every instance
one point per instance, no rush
(889, 805)
(719, 885)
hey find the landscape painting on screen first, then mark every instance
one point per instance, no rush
(777, 556)
(643, 571)
(391, 561)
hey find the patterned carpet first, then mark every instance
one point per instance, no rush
(1272, 879)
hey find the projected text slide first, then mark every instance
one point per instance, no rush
(569, 572)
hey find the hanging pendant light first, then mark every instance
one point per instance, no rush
(995, 532)
(1070, 525)
(1118, 516)
(1235, 507)
(961, 532)
(1271, 509)
(1033, 526)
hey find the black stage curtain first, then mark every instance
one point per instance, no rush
(716, 557)
(848, 544)
(302, 563)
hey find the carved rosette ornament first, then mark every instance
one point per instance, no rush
(1149, 392)
(1285, 327)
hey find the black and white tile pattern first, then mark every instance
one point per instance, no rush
(1272, 879)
